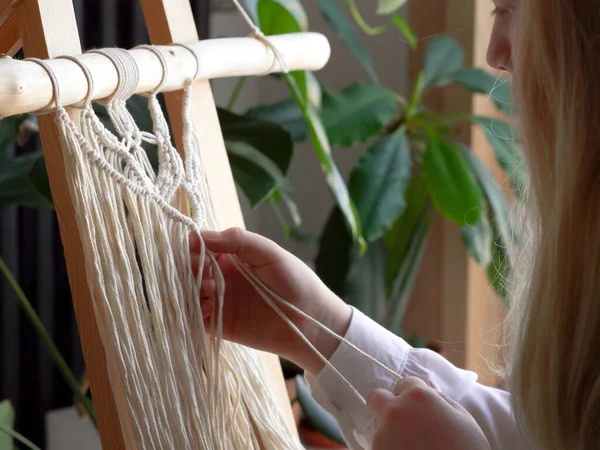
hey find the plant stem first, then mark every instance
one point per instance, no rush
(37, 324)
(280, 218)
(372, 31)
(236, 93)
(19, 437)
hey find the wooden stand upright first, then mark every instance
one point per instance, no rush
(47, 29)
(458, 310)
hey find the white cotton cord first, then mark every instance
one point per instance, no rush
(261, 287)
(163, 63)
(196, 58)
(141, 309)
(260, 36)
(268, 421)
(170, 169)
(126, 86)
(87, 101)
(251, 279)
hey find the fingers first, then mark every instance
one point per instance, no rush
(409, 390)
(194, 243)
(208, 288)
(457, 406)
(379, 402)
(433, 385)
(410, 384)
(196, 263)
(418, 390)
(208, 308)
(252, 248)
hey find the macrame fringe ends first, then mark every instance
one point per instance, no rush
(177, 385)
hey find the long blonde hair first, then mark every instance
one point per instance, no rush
(555, 364)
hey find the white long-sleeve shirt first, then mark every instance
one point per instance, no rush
(489, 406)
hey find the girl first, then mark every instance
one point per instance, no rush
(553, 402)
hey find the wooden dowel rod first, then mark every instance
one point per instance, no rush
(25, 86)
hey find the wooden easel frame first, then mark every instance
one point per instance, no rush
(47, 29)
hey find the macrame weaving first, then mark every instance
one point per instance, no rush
(177, 385)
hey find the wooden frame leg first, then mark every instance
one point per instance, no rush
(48, 29)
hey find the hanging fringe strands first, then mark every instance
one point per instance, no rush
(177, 384)
(24, 86)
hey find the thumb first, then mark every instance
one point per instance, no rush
(379, 401)
(457, 406)
(251, 248)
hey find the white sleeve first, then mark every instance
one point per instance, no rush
(490, 407)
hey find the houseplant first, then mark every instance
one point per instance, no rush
(411, 168)
(370, 248)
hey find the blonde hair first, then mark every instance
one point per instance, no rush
(554, 372)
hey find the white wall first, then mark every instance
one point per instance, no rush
(311, 193)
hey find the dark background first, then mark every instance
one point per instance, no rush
(30, 244)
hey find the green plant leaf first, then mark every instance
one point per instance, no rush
(254, 181)
(453, 188)
(15, 188)
(7, 421)
(257, 175)
(362, 23)
(398, 238)
(498, 270)
(503, 232)
(314, 93)
(303, 238)
(350, 117)
(506, 149)
(364, 287)
(482, 82)
(415, 98)
(335, 252)
(406, 276)
(406, 30)
(378, 182)
(332, 175)
(286, 114)
(495, 198)
(416, 341)
(315, 414)
(345, 30)
(281, 194)
(357, 113)
(38, 177)
(385, 7)
(267, 137)
(443, 58)
(268, 13)
(478, 240)
(274, 18)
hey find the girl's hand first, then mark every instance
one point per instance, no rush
(248, 319)
(417, 416)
